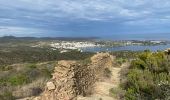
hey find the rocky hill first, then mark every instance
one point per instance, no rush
(71, 78)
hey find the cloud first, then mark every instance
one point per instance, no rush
(18, 31)
(23, 31)
(67, 15)
(73, 9)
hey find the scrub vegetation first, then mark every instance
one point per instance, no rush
(148, 77)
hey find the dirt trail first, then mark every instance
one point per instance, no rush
(101, 89)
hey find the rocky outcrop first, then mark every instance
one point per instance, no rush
(167, 51)
(71, 78)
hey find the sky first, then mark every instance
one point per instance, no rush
(84, 18)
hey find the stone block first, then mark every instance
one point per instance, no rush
(50, 86)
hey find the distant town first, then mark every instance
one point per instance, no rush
(65, 46)
(79, 44)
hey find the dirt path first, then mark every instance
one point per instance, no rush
(102, 88)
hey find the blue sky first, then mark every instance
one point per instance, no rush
(84, 17)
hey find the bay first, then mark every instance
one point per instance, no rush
(129, 48)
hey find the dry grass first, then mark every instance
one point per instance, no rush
(32, 89)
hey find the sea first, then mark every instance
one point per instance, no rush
(126, 48)
(144, 36)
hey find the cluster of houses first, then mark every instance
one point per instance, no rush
(72, 45)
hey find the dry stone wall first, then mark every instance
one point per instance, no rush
(71, 79)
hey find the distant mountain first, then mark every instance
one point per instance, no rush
(47, 38)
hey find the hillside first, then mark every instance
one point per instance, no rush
(103, 76)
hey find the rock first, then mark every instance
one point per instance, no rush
(50, 86)
(72, 79)
(37, 98)
(167, 51)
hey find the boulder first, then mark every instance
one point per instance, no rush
(50, 86)
(167, 51)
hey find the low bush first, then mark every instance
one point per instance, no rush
(7, 96)
(18, 80)
(120, 61)
(146, 75)
(117, 93)
(32, 66)
(26, 79)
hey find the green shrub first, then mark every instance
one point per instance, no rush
(6, 96)
(3, 82)
(117, 93)
(120, 61)
(140, 64)
(131, 94)
(28, 54)
(146, 74)
(5, 68)
(18, 79)
(32, 66)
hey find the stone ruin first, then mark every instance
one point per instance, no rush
(71, 78)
